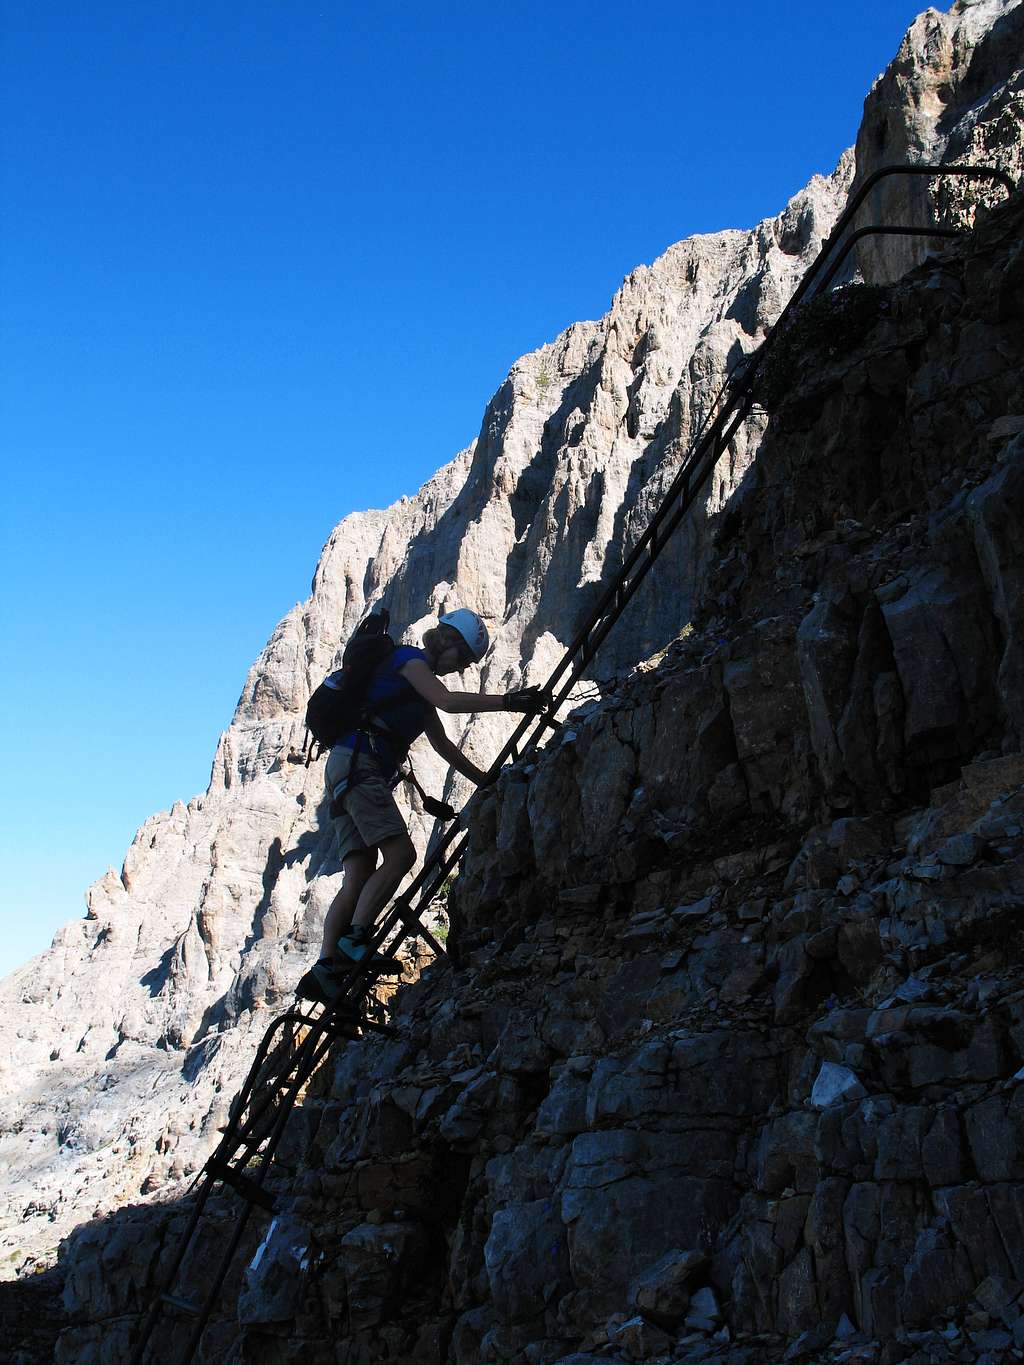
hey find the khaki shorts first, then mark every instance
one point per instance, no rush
(369, 813)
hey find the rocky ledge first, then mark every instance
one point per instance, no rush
(726, 1060)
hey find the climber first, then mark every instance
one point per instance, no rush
(361, 772)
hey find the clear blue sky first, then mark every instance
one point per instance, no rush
(264, 264)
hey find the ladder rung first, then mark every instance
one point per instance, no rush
(243, 1184)
(415, 926)
(183, 1305)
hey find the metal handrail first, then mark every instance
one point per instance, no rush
(875, 230)
(849, 213)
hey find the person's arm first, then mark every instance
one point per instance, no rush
(433, 690)
(442, 745)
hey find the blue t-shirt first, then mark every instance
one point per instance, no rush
(404, 715)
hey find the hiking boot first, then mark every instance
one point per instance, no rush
(355, 945)
(322, 984)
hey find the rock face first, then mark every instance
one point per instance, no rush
(725, 1062)
(599, 931)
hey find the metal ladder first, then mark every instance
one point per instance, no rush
(297, 1042)
(292, 1048)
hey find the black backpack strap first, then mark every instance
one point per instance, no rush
(312, 749)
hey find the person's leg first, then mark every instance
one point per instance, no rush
(398, 855)
(359, 866)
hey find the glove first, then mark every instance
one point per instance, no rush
(440, 810)
(530, 700)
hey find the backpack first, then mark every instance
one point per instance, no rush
(338, 704)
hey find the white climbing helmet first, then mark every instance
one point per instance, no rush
(471, 628)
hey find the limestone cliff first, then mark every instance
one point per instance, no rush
(123, 1044)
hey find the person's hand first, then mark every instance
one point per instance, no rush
(530, 700)
(440, 810)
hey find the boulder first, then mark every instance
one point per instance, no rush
(660, 1293)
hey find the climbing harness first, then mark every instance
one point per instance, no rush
(296, 1043)
(366, 737)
